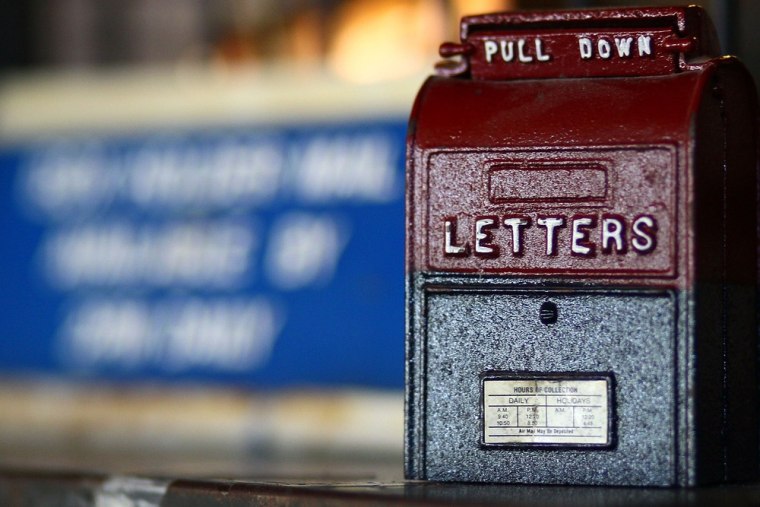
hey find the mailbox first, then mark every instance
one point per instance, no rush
(582, 254)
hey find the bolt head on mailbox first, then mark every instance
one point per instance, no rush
(582, 254)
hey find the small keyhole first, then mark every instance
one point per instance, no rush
(548, 313)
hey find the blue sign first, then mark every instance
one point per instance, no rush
(270, 257)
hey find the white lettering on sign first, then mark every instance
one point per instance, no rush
(222, 333)
(214, 253)
(524, 50)
(70, 181)
(602, 46)
(152, 249)
(611, 232)
(304, 250)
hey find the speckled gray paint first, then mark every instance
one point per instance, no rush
(469, 328)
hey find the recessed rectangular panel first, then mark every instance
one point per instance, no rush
(614, 346)
(593, 212)
(547, 182)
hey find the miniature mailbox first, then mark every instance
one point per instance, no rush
(581, 254)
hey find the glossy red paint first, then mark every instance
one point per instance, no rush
(634, 146)
(582, 43)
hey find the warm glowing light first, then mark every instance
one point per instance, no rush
(385, 39)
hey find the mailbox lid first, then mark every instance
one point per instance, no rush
(633, 41)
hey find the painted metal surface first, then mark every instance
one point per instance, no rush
(622, 196)
(583, 43)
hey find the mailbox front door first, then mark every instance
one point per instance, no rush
(508, 392)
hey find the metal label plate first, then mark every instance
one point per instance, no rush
(548, 410)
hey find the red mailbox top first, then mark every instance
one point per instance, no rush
(603, 42)
(575, 168)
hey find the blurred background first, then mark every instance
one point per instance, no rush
(202, 223)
